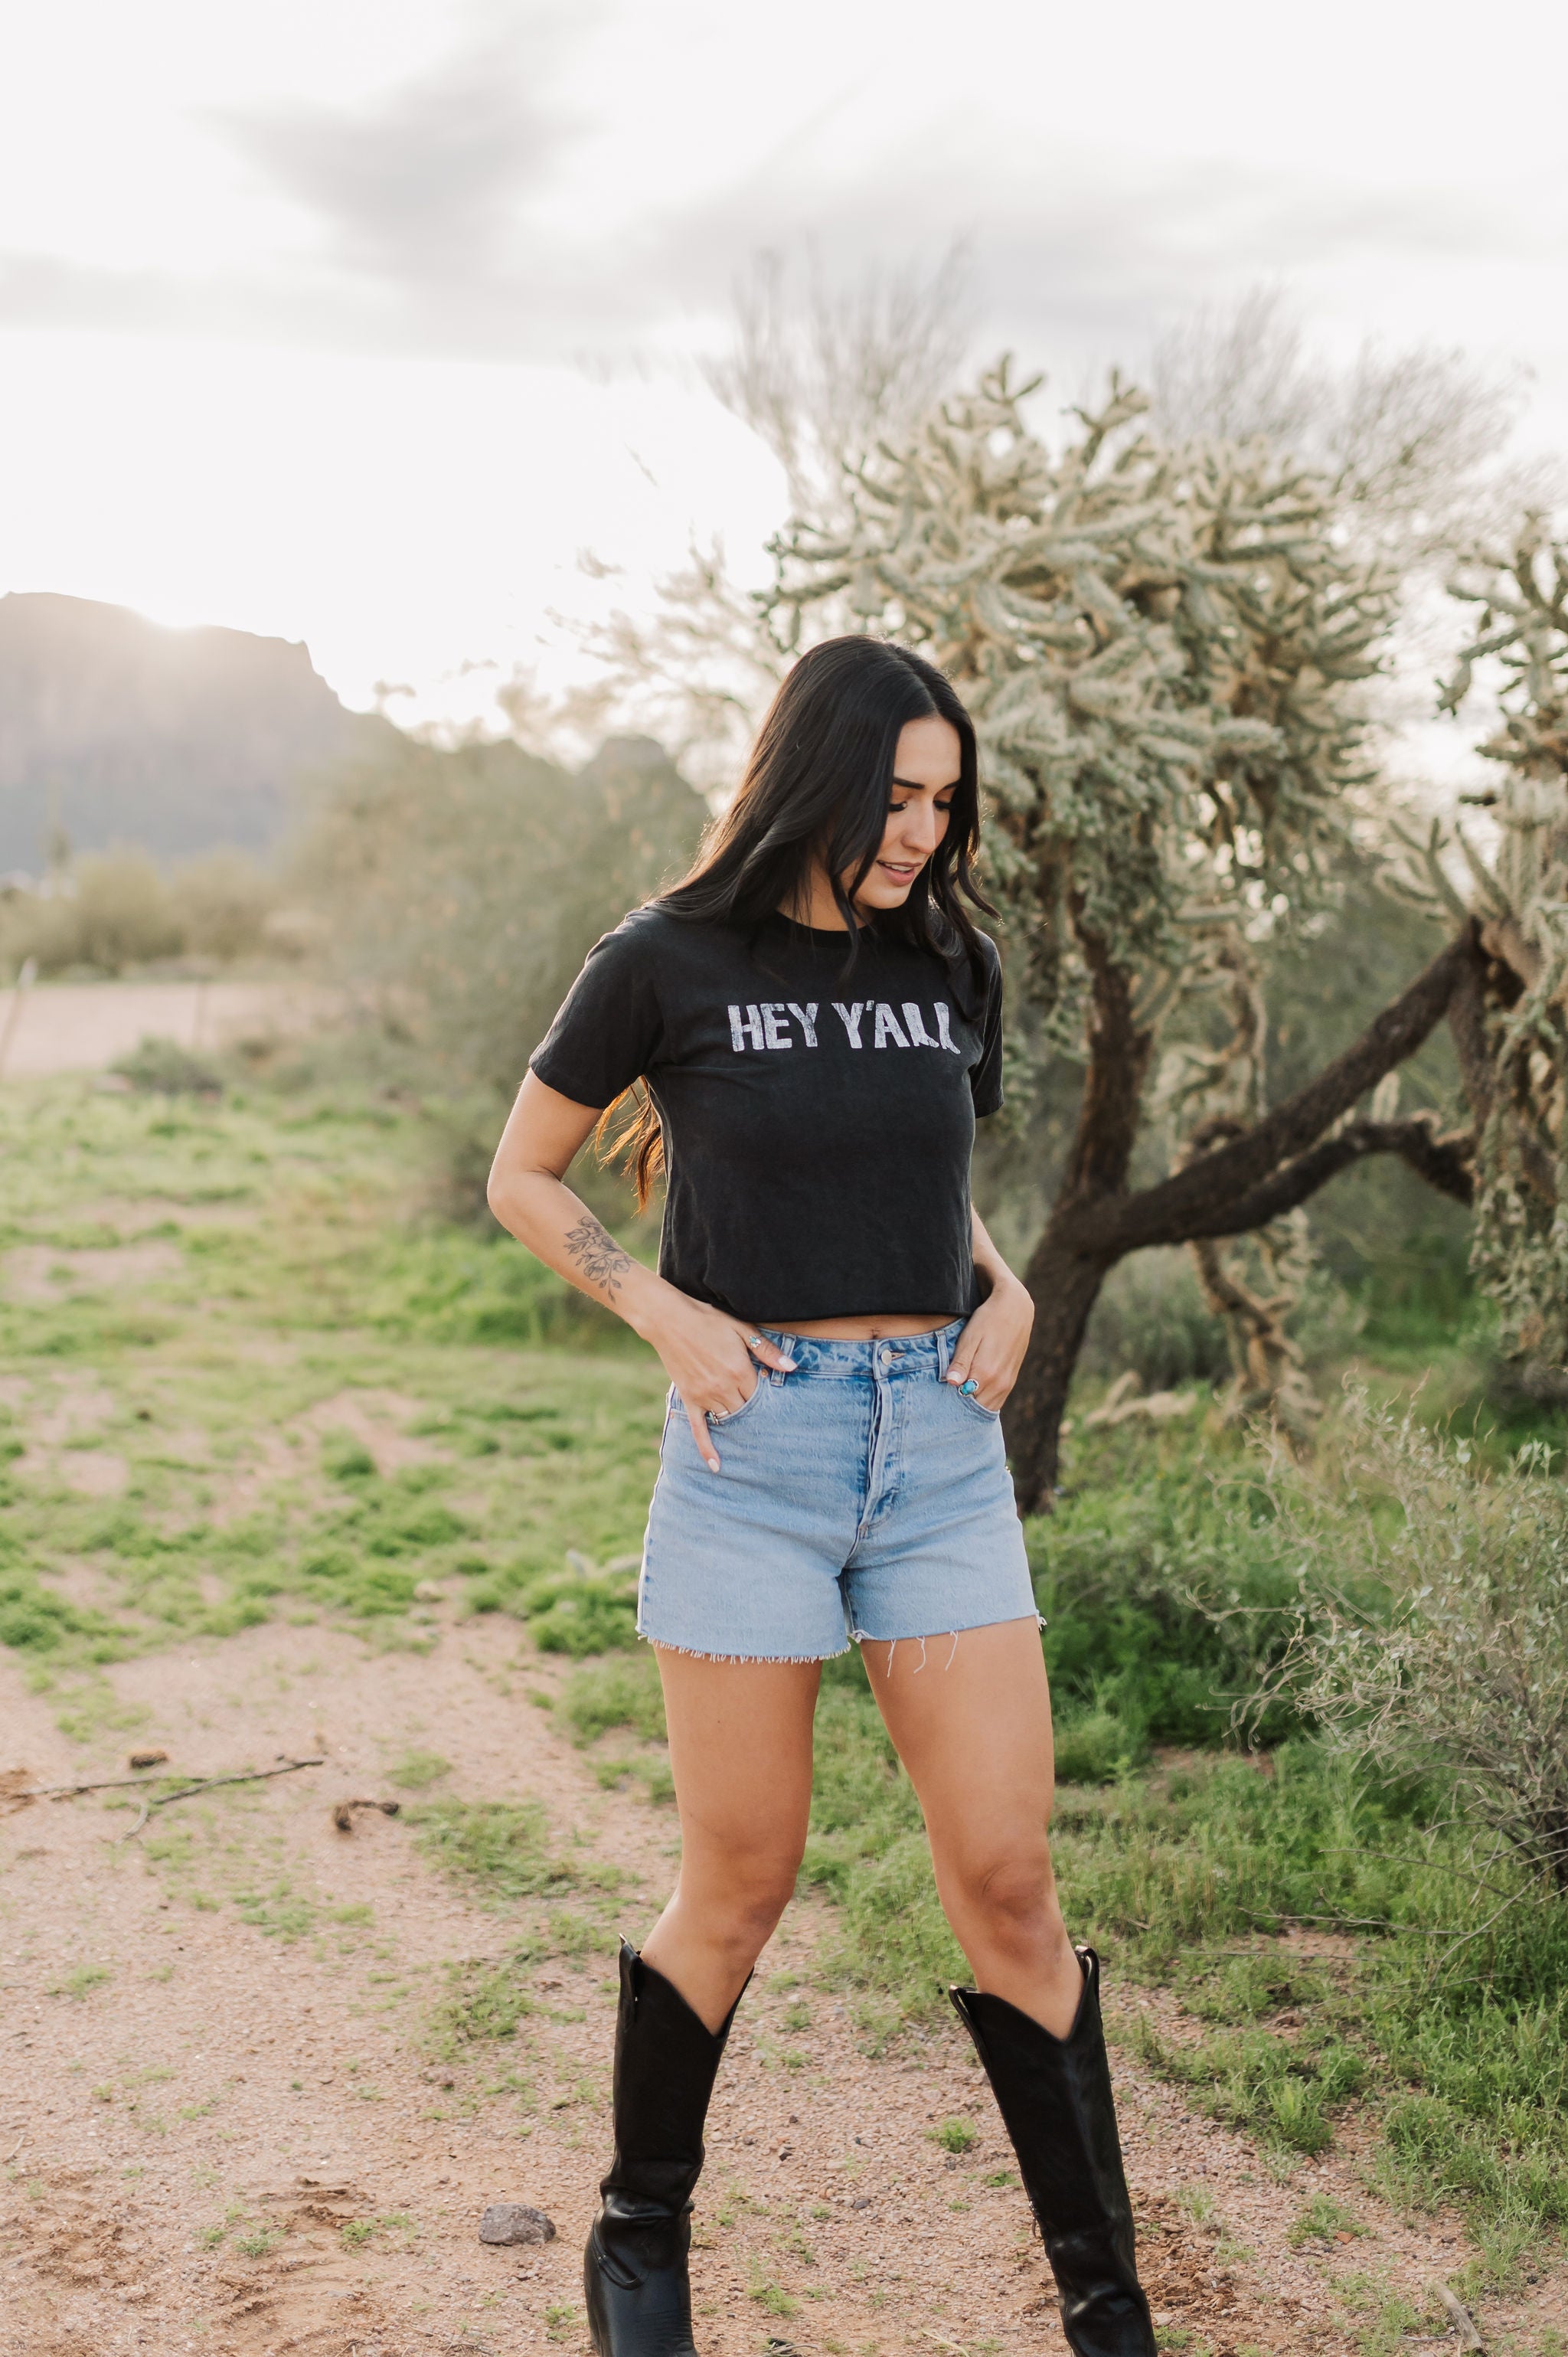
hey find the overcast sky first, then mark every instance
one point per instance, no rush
(296, 301)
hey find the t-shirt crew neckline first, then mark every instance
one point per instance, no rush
(821, 932)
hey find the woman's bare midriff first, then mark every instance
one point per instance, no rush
(864, 1330)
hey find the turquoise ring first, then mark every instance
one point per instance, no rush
(968, 1388)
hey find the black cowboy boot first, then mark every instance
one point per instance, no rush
(634, 2270)
(1054, 2095)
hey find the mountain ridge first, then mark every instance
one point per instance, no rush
(117, 729)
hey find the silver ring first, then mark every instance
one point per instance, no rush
(968, 1388)
(754, 1342)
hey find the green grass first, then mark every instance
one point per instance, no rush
(80, 1982)
(417, 1770)
(603, 1695)
(257, 1269)
(501, 1850)
(1323, 2219)
(501, 1853)
(253, 1383)
(955, 2136)
(1190, 1879)
(1154, 1532)
(482, 2003)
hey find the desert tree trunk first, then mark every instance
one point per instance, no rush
(1253, 1178)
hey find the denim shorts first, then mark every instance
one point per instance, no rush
(859, 1497)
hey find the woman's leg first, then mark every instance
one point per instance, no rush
(970, 1719)
(740, 1743)
(740, 1749)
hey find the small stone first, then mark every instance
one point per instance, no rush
(515, 2222)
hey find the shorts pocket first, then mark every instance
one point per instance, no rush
(967, 1399)
(718, 1418)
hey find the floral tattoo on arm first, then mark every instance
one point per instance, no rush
(597, 1254)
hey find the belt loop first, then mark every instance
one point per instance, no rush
(944, 1350)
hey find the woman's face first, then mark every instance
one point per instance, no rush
(926, 772)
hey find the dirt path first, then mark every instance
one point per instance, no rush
(83, 1026)
(228, 2127)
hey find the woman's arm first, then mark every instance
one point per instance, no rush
(991, 1348)
(705, 1353)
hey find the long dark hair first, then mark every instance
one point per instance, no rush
(817, 786)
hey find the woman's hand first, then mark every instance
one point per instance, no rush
(990, 1348)
(709, 1357)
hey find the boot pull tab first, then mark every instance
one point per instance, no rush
(632, 1974)
(965, 2012)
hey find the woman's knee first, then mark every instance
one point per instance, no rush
(1011, 1891)
(743, 1898)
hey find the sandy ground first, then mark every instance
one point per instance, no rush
(84, 1026)
(221, 2140)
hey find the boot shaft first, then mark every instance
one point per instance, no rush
(1055, 2100)
(665, 2064)
(634, 2269)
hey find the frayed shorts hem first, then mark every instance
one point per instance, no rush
(836, 1652)
(694, 1653)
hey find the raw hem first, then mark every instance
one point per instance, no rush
(856, 1636)
(690, 1653)
(929, 1636)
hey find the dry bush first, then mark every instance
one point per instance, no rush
(117, 915)
(117, 909)
(1431, 1641)
(457, 895)
(223, 903)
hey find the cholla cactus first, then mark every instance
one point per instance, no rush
(1164, 650)
(1252, 1282)
(1159, 647)
(1518, 1075)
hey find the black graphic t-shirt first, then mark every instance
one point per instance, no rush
(818, 1126)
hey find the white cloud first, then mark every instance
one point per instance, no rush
(290, 293)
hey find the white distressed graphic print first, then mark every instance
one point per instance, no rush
(767, 1025)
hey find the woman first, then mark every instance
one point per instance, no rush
(815, 1024)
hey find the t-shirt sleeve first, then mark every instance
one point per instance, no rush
(985, 1075)
(609, 1030)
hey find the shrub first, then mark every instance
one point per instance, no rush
(1090, 1750)
(163, 1067)
(118, 910)
(1159, 1579)
(1152, 1318)
(460, 891)
(221, 904)
(1431, 1641)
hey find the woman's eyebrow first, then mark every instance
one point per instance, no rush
(910, 787)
